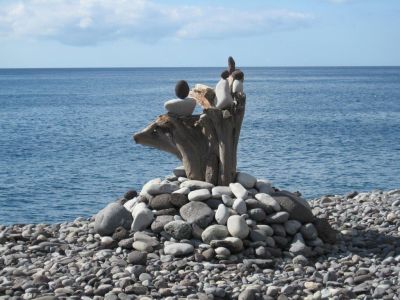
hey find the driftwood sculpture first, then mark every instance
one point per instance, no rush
(206, 143)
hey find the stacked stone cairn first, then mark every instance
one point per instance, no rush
(248, 221)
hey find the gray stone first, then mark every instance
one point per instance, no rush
(178, 199)
(222, 214)
(179, 230)
(247, 294)
(267, 230)
(325, 231)
(267, 203)
(246, 180)
(234, 244)
(179, 171)
(180, 107)
(178, 249)
(309, 231)
(227, 200)
(298, 246)
(264, 186)
(292, 226)
(279, 229)
(213, 203)
(142, 218)
(222, 251)
(161, 188)
(297, 207)
(277, 218)
(199, 195)
(257, 214)
(238, 227)
(238, 190)
(196, 184)
(161, 201)
(197, 212)
(257, 235)
(111, 217)
(240, 206)
(158, 224)
(137, 258)
(218, 191)
(214, 232)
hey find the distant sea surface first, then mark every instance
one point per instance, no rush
(66, 146)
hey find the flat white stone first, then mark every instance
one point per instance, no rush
(268, 203)
(237, 86)
(222, 214)
(248, 181)
(180, 107)
(264, 186)
(238, 190)
(178, 249)
(223, 94)
(218, 191)
(240, 206)
(238, 227)
(196, 184)
(184, 190)
(199, 195)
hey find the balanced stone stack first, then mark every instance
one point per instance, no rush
(249, 218)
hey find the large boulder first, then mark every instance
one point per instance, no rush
(197, 212)
(297, 207)
(111, 217)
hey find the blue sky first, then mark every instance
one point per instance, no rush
(151, 33)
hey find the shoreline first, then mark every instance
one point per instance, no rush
(60, 260)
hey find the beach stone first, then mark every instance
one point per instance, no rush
(179, 230)
(227, 200)
(222, 251)
(196, 185)
(183, 190)
(213, 203)
(281, 241)
(257, 235)
(120, 233)
(267, 203)
(292, 226)
(142, 219)
(309, 232)
(240, 206)
(214, 232)
(246, 180)
(267, 230)
(223, 94)
(126, 243)
(231, 65)
(261, 263)
(197, 212)
(278, 217)
(222, 214)
(137, 258)
(130, 194)
(158, 224)
(298, 246)
(180, 107)
(237, 86)
(144, 237)
(279, 229)
(325, 231)
(179, 171)
(178, 200)
(142, 246)
(168, 211)
(160, 188)
(182, 89)
(264, 186)
(247, 294)
(161, 201)
(238, 227)
(111, 217)
(178, 249)
(238, 190)
(197, 231)
(218, 191)
(297, 208)
(234, 244)
(257, 214)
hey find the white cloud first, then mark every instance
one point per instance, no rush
(88, 22)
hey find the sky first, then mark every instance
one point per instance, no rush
(175, 33)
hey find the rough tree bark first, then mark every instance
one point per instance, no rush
(207, 143)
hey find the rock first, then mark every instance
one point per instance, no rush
(178, 200)
(179, 230)
(168, 211)
(247, 294)
(144, 237)
(178, 249)
(214, 232)
(142, 218)
(111, 217)
(309, 232)
(142, 246)
(183, 190)
(298, 246)
(182, 89)
(197, 212)
(126, 243)
(237, 227)
(257, 214)
(227, 200)
(257, 235)
(108, 242)
(300, 260)
(196, 185)
(222, 214)
(130, 194)
(278, 217)
(267, 203)
(197, 231)
(264, 186)
(279, 229)
(137, 258)
(222, 252)
(223, 94)
(179, 171)
(267, 230)
(261, 263)
(297, 208)
(292, 226)
(240, 206)
(120, 233)
(161, 201)
(180, 107)
(213, 203)
(160, 188)
(208, 254)
(218, 191)
(234, 244)
(246, 180)
(231, 65)
(158, 224)
(325, 231)
(238, 190)
(237, 86)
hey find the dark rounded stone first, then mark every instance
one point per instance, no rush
(238, 75)
(208, 254)
(297, 207)
(231, 65)
(161, 202)
(137, 258)
(257, 214)
(182, 89)
(178, 200)
(214, 203)
(225, 74)
(168, 211)
(130, 194)
(120, 233)
(158, 224)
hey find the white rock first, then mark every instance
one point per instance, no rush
(240, 206)
(137, 208)
(161, 188)
(237, 227)
(264, 186)
(142, 219)
(214, 232)
(238, 190)
(223, 94)
(267, 203)
(222, 251)
(266, 229)
(222, 214)
(180, 107)
(184, 191)
(237, 86)
(228, 201)
(218, 191)
(144, 191)
(199, 195)
(179, 171)
(130, 204)
(196, 184)
(178, 249)
(248, 181)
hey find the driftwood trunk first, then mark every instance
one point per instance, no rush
(206, 144)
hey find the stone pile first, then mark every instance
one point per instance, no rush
(249, 217)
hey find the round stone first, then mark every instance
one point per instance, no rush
(178, 249)
(214, 232)
(237, 227)
(199, 195)
(222, 214)
(197, 212)
(130, 194)
(240, 206)
(182, 89)
(179, 230)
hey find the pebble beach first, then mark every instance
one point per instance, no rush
(72, 260)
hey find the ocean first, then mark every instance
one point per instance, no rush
(66, 147)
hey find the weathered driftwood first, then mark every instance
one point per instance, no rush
(207, 143)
